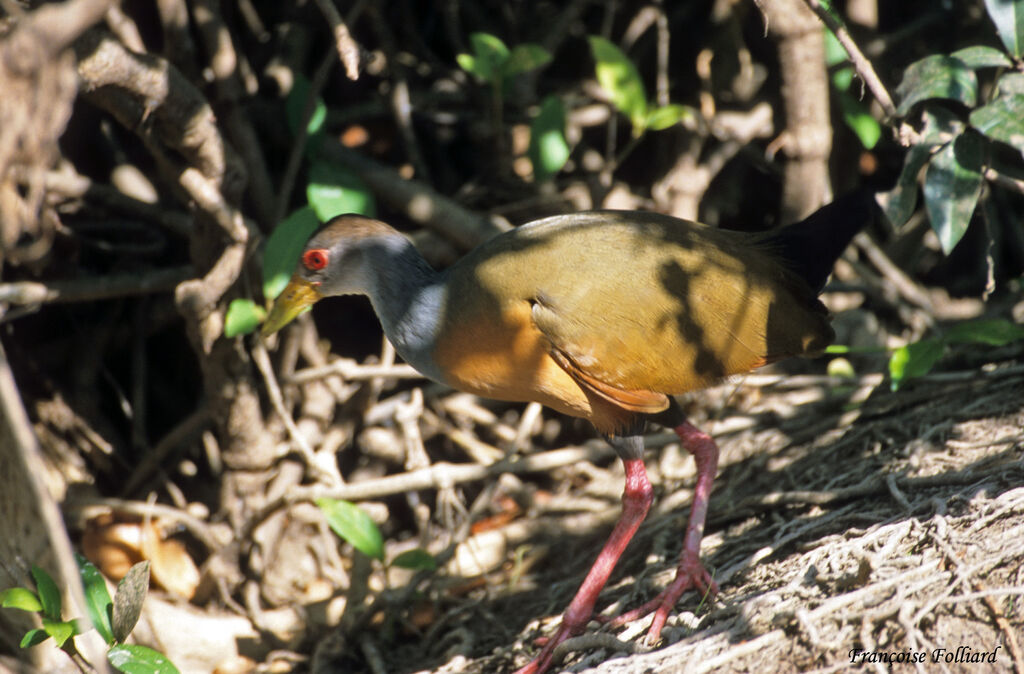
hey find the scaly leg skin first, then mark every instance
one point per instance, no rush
(690, 573)
(636, 501)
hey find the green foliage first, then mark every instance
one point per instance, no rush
(283, 248)
(295, 106)
(855, 112)
(417, 560)
(494, 63)
(549, 150)
(621, 81)
(114, 620)
(333, 190)
(352, 523)
(97, 598)
(135, 659)
(958, 130)
(243, 317)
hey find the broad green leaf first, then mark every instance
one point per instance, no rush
(282, 250)
(952, 185)
(548, 149)
(914, 360)
(243, 317)
(835, 52)
(352, 523)
(903, 197)
(860, 120)
(60, 630)
(982, 57)
(523, 58)
(131, 593)
(1011, 83)
(666, 116)
(994, 332)
(619, 78)
(941, 125)
(135, 659)
(1008, 16)
(489, 55)
(295, 105)
(49, 595)
(97, 598)
(1002, 120)
(937, 76)
(334, 190)
(20, 598)
(417, 560)
(33, 637)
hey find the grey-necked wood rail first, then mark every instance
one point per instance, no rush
(601, 315)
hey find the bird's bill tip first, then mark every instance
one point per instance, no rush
(298, 295)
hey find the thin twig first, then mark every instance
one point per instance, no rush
(348, 50)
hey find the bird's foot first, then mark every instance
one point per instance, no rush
(690, 574)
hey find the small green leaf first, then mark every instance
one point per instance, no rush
(914, 360)
(903, 197)
(34, 637)
(352, 523)
(548, 149)
(860, 120)
(840, 367)
(135, 659)
(468, 63)
(937, 76)
(282, 250)
(334, 190)
(952, 185)
(243, 317)
(131, 593)
(994, 332)
(1008, 16)
(97, 598)
(835, 52)
(60, 630)
(417, 560)
(666, 116)
(20, 598)
(489, 55)
(619, 78)
(525, 57)
(982, 57)
(1002, 120)
(295, 105)
(49, 595)
(1011, 83)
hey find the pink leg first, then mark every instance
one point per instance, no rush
(636, 501)
(690, 573)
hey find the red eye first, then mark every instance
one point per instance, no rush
(315, 259)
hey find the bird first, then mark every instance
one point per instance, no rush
(603, 315)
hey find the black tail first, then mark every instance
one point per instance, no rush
(811, 247)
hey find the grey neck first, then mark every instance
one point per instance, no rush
(408, 297)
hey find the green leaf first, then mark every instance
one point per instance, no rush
(666, 116)
(914, 360)
(994, 332)
(243, 317)
(135, 659)
(1008, 16)
(49, 595)
(835, 52)
(982, 57)
(952, 185)
(131, 593)
(60, 630)
(417, 560)
(352, 523)
(941, 125)
(34, 637)
(619, 78)
(334, 190)
(903, 197)
(525, 57)
(283, 248)
(1011, 83)
(860, 120)
(97, 598)
(937, 76)
(295, 105)
(489, 55)
(842, 79)
(548, 149)
(1002, 120)
(20, 598)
